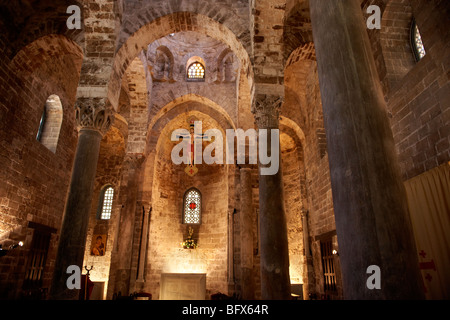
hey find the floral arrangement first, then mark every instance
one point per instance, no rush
(189, 243)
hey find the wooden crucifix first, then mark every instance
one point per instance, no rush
(194, 137)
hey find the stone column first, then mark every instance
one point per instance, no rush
(143, 246)
(371, 212)
(129, 189)
(93, 120)
(308, 274)
(275, 281)
(246, 235)
(231, 279)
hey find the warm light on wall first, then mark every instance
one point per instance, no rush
(186, 261)
(296, 274)
(100, 270)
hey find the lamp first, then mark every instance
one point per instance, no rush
(3, 252)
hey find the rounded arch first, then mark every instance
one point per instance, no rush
(284, 121)
(297, 29)
(302, 92)
(163, 64)
(27, 23)
(41, 69)
(303, 52)
(225, 70)
(194, 59)
(171, 24)
(48, 47)
(181, 102)
(231, 14)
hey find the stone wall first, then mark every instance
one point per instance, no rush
(165, 253)
(293, 206)
(42, 57)
(303, 113)
(109, 172)
(34, 179)
(417, 93)
(168, 59)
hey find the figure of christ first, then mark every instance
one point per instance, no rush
(193, 136)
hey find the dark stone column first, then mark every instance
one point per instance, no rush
(129, 189)
(246, 235)
(372, 220)
(93, 121)
(275, 281)
(143, 245)
(308, 274)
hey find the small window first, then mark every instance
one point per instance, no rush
(41, 125)
(196, 71)
(329, 274)
(192, 206)
(37, 259)
(105, 203)
(416, 42)
(50, 123)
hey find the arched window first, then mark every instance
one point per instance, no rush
(192, 207)
(105, 203)
(50, 124)
(195, 70)
(416, 42)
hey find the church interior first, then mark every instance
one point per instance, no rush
(359, 207)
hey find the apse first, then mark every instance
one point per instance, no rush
(188, 206)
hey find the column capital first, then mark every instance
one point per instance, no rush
(266, 109)
(93, 114)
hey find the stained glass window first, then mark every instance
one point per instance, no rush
(192, 207)
(416, 39)
(106, 201)
(196, 71)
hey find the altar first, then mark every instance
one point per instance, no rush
(183, 286)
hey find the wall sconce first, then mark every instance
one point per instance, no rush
(335, 252)
(3, 252)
